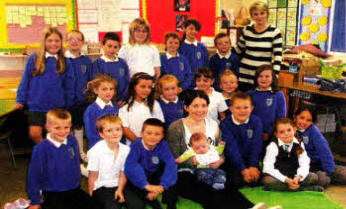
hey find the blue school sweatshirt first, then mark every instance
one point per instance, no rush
(49, 90)
(317, 148)
(82, 68)
(141, 163)
(118, 70)
(179, 67)
(197, 56)
(172, 111)
(218, 65)
(53, 169)
(268, 106)
(243, 142)
(91, 114)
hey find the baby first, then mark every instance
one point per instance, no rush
(202, 154)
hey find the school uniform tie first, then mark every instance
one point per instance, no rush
(286, 147)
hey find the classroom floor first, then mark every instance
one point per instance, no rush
(12, 181)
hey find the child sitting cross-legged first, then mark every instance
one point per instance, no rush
(286, 164)
(203, 154)
(150, 166)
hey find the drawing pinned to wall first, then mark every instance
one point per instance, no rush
(179, 22)
(314, 22)
(32, 19)
(182, 5)
(22, 21)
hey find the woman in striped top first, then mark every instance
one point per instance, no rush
(259, 43)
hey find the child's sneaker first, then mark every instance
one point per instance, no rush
(276, 207)
(218, 186)
(260, 205)
(18, 204)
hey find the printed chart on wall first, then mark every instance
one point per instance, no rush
(314, 22)
(168, 15)
(22, 21)
(283, 14)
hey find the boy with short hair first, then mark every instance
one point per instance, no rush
(150, 166)
(242, 132)
(109, 63)
(54, 167)
(174, 63)
(223, 59)
(82, 68)
(106, 179)
(228, 85)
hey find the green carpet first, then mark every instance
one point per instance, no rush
(290, 200)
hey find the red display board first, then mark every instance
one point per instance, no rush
(162, 17)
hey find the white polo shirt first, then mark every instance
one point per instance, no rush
(138, 113)
(141, 58)
(101, 159)
(216, 104)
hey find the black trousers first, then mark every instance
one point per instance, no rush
(71, 199)
(235, 178)
(187, 187)
(104, 197)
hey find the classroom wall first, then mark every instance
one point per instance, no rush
(236, 4)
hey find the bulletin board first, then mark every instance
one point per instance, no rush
(283, 14)
(22, 21)
(162, 17)
(314, 22)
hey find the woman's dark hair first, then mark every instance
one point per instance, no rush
(193, 22)
(306, 108)
(130, 96)
(187, 96)
(274, 83)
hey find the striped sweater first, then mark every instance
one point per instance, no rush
(256, 49)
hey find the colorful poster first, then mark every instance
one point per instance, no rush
(290, 36)
(272, 3)
(293, 3)
(314, 23)
(281, 17)
(272, 17)
(291, 16)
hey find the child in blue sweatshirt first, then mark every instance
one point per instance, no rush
(322, 162)
(268, 101)
(150, 166)
(54, 168)
(242, 133)
(193, 50)
(174, 63)
(223, 59)
(81, 68)
(166, 92)
(101, 90)
(47, 83)
(112, 65)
